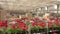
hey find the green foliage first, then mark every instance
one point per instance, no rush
(54, 25)
(14, 30)
(35, 27)
(19, 30)
(8, 30)
(27, 23)
(0, 30)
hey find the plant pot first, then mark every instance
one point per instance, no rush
(34, 31)
(56, 28)
(19, 33)
(42, 30)
(50, 29)
(22, 32)
(59, 30)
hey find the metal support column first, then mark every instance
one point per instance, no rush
(47, 9)
(57, 8)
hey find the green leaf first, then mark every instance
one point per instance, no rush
(19, 29)
(27, 23)
(1, 29)
(54, 25)
(14, 30)
(8, 29)
(35, 27)
(39, 27)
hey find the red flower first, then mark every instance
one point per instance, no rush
(24, 28)
(32, 19)
(21, 25)
(0, 24)
(18, 20)
(43, 18)
(50, 24)
(57, 22)
(56, 18)
(12, 25)
(34, 23)
(24, 18)
(42, 24)
(3, 23)
(52, 18)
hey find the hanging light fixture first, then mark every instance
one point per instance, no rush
(55, 6)
(45, 8)
(39, 8)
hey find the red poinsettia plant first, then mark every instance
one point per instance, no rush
(54, 23)
(16, 26)
(21, 25)
(3, 24)
(37, 24)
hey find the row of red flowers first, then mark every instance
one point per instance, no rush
(23, 23)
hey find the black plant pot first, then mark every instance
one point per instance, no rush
(22, 32)
(43, 30)
(34, 31)
(56, 28)
(59, 30)
(50, 28)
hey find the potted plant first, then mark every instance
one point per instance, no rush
(3, 25)
(37, 27)
(17, 28)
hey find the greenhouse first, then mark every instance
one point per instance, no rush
(29, 16)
